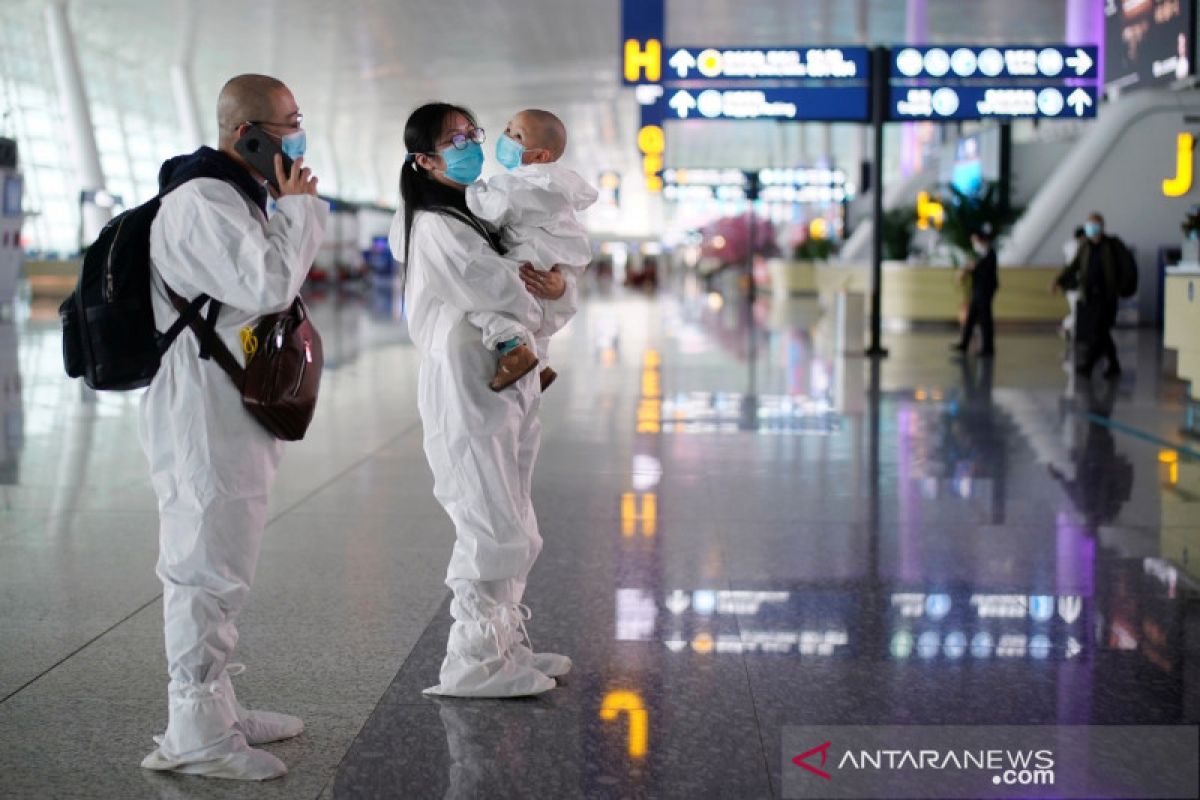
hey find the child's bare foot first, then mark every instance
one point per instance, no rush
(548, 375)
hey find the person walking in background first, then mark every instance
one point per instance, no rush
(1071, 321)
(1096, 270)
(983, 272)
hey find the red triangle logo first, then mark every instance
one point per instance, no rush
(802, 760)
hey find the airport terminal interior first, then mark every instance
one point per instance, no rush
(789, 508)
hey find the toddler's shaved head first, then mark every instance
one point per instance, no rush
(544, 130)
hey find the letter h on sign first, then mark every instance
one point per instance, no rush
(642, 26)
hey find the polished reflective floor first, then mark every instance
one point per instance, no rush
(744, 530)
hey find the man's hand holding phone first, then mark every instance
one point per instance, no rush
(299, 181)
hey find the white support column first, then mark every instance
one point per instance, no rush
(185, 106)
(329, 123)
(182, 87)
(916, 32)
(73, 96)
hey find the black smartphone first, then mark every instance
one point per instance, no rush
(259, 149)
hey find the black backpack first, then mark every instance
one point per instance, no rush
(109, 335)
(1127, 270)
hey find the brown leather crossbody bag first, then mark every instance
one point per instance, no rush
(280, 381)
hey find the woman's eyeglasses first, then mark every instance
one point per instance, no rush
(460, 140)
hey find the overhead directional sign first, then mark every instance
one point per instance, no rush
(1035, 62)
(785, 63)
(790, 104)
(987, 102)
(788, 185)
(642, 25)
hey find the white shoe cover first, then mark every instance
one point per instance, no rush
(497, 677)
(513, 617)
(479, 663)
(260, 727)
(264, 727)
(202, 737)
(552, 665)
(238, 761)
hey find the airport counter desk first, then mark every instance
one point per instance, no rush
(921, 293)
(1181, 320)
(50, 280)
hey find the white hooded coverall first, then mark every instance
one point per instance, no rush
(211, 463)
(481, 445)
(534, 206)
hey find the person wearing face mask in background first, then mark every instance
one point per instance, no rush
(211, 463)
(984, 283)
(481, 445)
(1096, 270)
(1070, 322)
(533, 204)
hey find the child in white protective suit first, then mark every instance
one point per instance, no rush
(534, 205)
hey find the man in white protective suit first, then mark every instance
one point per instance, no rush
(211, 463)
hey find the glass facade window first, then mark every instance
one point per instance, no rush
(133, 118)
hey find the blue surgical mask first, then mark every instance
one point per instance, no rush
(464, 166)
(1091, 229)
(293, 144)
(509, 151)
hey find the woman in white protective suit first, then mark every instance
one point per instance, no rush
(481, 445)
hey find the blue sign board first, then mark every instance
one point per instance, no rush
(985, 63)
(791, 104)
(775, 63)
(943, 103)
(643, 23)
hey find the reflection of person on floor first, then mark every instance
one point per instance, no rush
(983, 274)
(484, 748)
(1103, 478)
(981, 447)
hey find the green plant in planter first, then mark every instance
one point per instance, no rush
(813, 250)
(967, 213)
(1191, 223)
(899, 227)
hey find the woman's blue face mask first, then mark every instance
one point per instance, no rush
(464, 166)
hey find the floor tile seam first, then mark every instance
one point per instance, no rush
(81, 648)
(1138, 433)
(343, 473)
(158, 596)
(758, 726)
(379, 700)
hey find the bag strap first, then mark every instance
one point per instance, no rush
(186, 315)
(484, 230)
(206, 332)
(210, 328)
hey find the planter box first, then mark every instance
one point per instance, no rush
(790, 277)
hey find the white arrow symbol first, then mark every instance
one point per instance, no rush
(1081, 62)
(677, 602)
(1079, 100)
(1074, 648)
(682, 102)
(682, 61)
